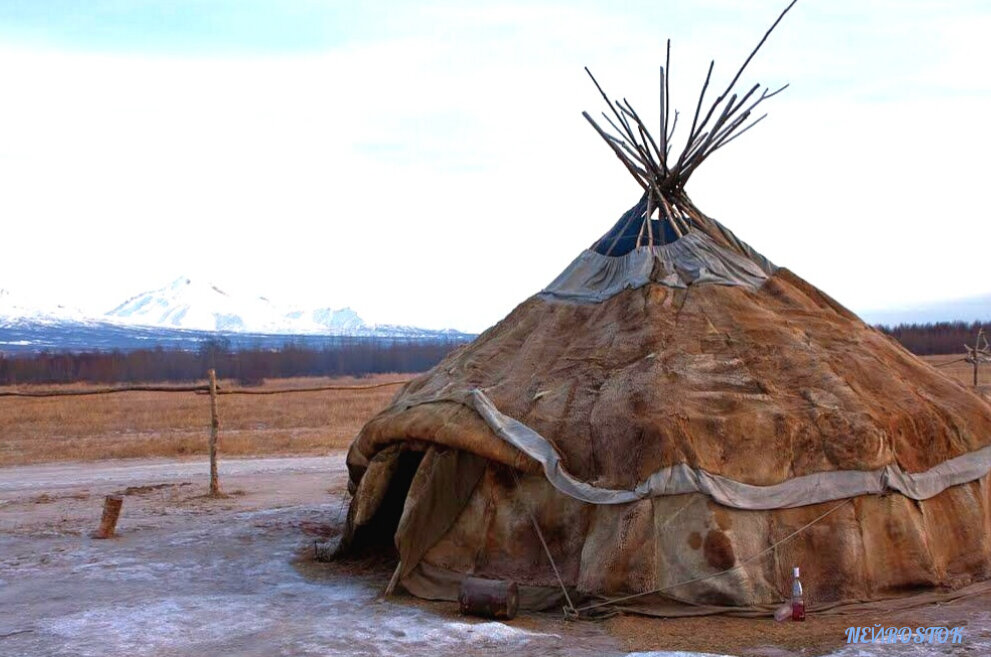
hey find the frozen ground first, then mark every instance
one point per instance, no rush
(194, 576)
(190, 575)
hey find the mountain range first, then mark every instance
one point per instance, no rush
(184, 313)
(188, 312)
(190, 304)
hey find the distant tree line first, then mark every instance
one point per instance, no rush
(938, 338)
(249, 366)
(351, 357)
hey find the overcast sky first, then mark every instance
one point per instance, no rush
(427, 163)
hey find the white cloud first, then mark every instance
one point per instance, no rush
(440, 175)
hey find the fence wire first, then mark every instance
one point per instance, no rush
(199, 389)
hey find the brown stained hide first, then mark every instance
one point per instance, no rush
(718, 550)
(758, 386)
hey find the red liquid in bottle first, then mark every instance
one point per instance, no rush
(797, 599)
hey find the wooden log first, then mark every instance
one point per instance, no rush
(666, 117)
(674, 126)
(489, 598)
(108, 521)
(669, 213)
(680, 216)
(746, 62)
(647, 220)
(394, 580)
(643, 224)
(636, 154)
(629, 134)
(214, 431)
(664, 109)
(740, 133)
(698, 108)
(632, 168)
(648, 140)
(692, 161)
(626, 224)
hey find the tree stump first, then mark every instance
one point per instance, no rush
(108, 522)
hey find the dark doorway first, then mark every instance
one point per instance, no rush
(377, 536)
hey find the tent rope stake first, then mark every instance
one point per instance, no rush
(569, 610)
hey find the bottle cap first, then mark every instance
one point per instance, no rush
(796, 571)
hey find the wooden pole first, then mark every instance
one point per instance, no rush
(108, 522)
(981, 351)
(391, 587)
(976, 361)
(978, 354)
(214, 430)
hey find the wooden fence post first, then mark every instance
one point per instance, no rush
(978, 353)
(108, 522)
(214, 430)
(977, 356)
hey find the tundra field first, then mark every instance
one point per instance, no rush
(189, 574)
(159, 424)
(176, 424)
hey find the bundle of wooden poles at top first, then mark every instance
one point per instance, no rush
(649, 160)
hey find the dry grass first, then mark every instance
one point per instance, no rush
(146, 424)
(963, 372)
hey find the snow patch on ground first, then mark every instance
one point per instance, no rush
(677, 653)
(151, 627)
(187, 624)
(202, 584)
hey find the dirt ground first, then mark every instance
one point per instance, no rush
(236, 576)
(190, 575)
(953, 366)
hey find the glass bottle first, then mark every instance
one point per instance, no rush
(797, 599)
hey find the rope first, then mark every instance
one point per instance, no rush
(104, 391)
(200, 389)
(950, 362)
(241, 391)
(569, 610)
(612, 601)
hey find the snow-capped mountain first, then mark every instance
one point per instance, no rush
(186, 313)
(343, 321)
(190, 304)
(14, 307)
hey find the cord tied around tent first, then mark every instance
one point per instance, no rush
(611, 601)
(570, 613)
